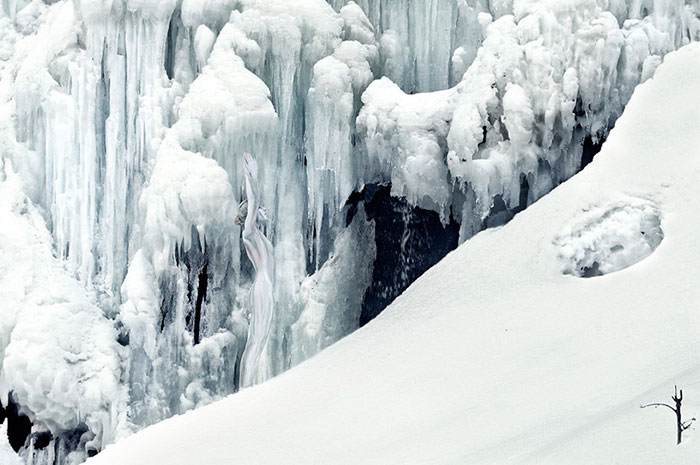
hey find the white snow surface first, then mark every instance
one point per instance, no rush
(496, 355)
(7, 455)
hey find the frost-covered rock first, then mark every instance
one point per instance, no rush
(331, 297)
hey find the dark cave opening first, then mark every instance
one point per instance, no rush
(42, 440)
(591, 148)
(409, 241)
(500, 214)
(19, 427)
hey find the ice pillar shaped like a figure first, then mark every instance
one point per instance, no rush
(260, 252)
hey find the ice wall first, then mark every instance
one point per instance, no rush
(427, 45)
(61, 361)
(122, 127)
(545, 79)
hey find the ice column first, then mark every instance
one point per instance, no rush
(260, 252)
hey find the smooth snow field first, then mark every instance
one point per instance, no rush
(534, 343)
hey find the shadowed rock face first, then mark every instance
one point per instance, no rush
(409, 240)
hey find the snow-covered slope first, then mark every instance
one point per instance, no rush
(502, 353)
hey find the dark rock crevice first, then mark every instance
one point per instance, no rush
(19, 427)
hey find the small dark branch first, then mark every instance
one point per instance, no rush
(657, 405)
(688, 424)
(677, 399)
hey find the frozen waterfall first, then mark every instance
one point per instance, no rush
(385, 132)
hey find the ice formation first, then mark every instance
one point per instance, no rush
(122, 125)
(547, 81)
(261, 255)
(493, 356)
(61, 360)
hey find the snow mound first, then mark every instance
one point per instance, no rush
(610, 238)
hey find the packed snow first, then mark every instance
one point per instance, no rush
(495, 355)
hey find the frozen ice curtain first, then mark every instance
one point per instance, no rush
(261, 300)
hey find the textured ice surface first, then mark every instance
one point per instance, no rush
(610, 238)
(544, 80)
(331, 299)
(61, 361)
(123, 123)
